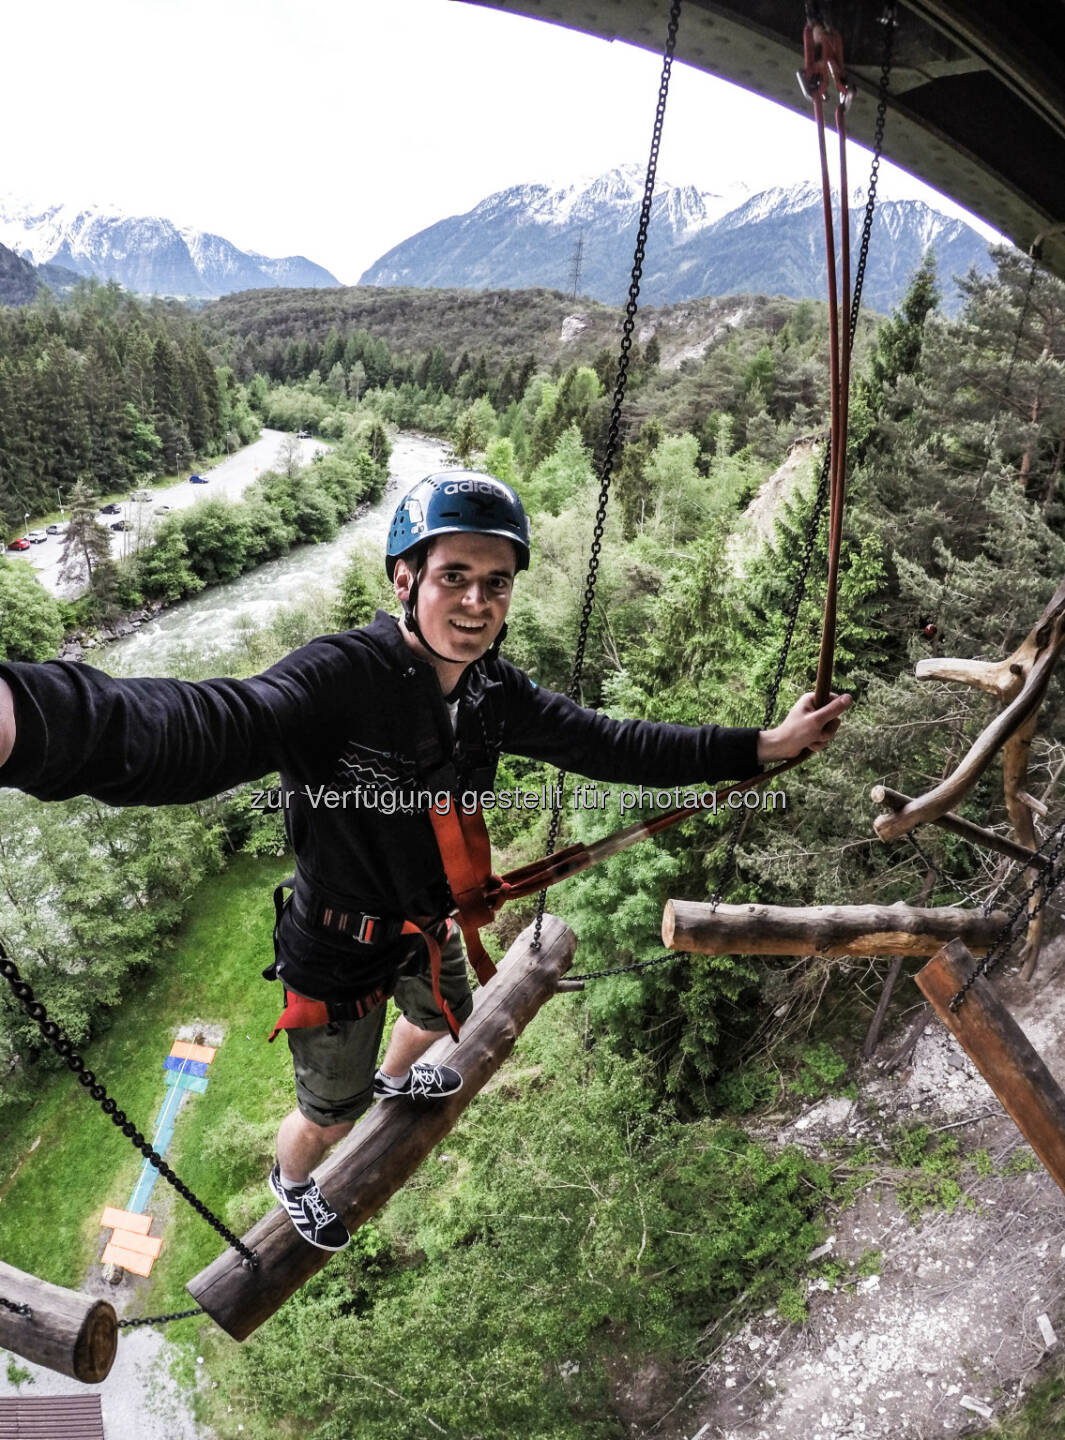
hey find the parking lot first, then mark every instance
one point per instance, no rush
(132, 521)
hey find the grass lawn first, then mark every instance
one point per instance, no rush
(50, 1207)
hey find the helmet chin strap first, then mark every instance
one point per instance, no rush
(410, 620)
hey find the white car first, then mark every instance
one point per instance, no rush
(36, 537)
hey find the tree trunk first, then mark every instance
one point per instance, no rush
(67, 1331)
(832, 930)
(1001, 1051)
(387, 1147)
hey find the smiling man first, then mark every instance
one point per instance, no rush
(392, 716)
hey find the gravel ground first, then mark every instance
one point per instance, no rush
(139, 1399)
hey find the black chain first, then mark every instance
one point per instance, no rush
(63, 1046)
(18, 1309)
(1047, 879)
(794, 603)
(614, 430)
(160, 1319)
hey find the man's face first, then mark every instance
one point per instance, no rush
(463, 594)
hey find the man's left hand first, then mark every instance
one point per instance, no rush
(803, 728)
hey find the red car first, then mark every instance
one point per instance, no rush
(20, 544)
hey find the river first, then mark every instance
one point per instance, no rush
(207, 621)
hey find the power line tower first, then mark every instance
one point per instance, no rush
(575, 265)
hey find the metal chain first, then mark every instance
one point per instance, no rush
(1047, 880)
(160, 1319)
(18, 1309)
(794, 603)
(63, 1046)
(614, 429)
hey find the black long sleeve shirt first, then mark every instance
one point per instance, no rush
(340, 717)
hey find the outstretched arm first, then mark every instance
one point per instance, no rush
(7, 721)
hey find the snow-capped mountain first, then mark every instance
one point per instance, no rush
(700, 243)
(147, 254)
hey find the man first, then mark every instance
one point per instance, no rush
(374, 732)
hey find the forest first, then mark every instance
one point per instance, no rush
(108, 390)
(615, 1198)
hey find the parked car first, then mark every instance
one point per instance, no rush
(303, 434)
(36, 537)
(121, 525)
(111, 509)
(20, 544)
(57, 529)
(162, 510)
(141, 496)
(197, 479)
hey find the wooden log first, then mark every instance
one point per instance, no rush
(823, 929)
(1001, 1051)
(1020, 681)
(386, 1148)
(67, 1331)
(975, 834)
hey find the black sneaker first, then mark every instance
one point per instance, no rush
(311, 1215)
(425, 1082)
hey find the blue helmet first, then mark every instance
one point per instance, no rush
(457, 502)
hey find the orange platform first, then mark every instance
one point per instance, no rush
(125, 1220)
(182, 1050)
(128, 1259)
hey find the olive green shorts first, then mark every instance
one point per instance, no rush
(335, 1063)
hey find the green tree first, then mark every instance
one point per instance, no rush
(86, 544)
(31, 622)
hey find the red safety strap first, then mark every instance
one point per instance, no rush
(824, 68)
(466, 851)
(300, 1013)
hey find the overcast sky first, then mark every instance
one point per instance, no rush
(336, 128)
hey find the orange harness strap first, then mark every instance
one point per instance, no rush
(466, 851)
(300, 1013)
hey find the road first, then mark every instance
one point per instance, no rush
(229, 479)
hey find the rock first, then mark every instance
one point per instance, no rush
(976, 1406)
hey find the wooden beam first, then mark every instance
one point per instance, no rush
(73, 1333)
(1020, 681)
(386, 1148)
(823, 929)
(1001, 1051)
(975, 834)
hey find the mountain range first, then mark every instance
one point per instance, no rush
(700, 243)
(146, 254)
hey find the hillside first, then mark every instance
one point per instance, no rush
(503, 324)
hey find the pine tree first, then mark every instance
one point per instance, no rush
(86, 544)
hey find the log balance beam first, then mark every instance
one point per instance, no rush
(833, 930)
(69, 1332)
(386, 1148)
(1001, 1051)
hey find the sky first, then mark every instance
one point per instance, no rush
(337, 128)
